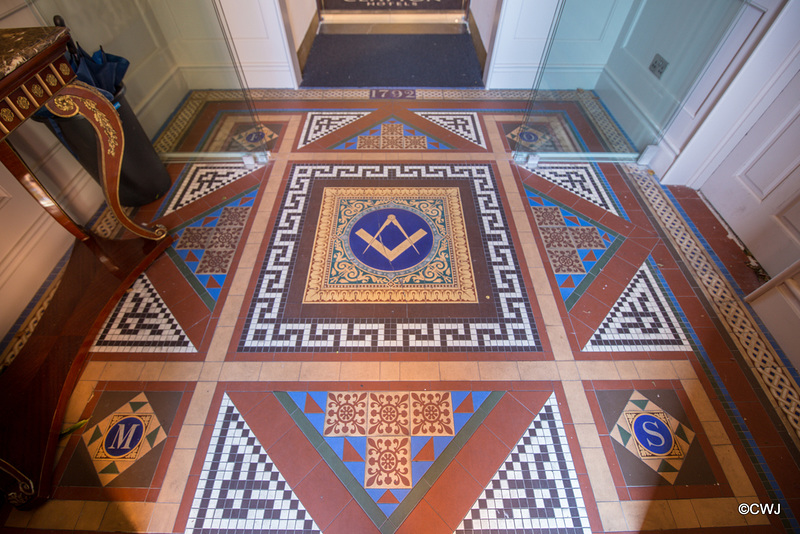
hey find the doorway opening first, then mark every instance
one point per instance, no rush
(394, 43)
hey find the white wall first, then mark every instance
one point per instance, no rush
(300, 14)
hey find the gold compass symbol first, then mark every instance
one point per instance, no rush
(375, 241)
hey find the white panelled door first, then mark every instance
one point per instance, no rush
(756, 188)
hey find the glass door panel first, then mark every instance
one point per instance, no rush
(614, 73)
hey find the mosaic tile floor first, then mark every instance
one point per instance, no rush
(390, 327)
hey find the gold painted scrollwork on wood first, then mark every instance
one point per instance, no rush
(79, 98)
(23, 103)
(7, 115)
(65, 103)
(102, 120)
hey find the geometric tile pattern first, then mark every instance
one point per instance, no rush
(206, 245)
(652, 434)
(202, 179)
(265, 327)
(391, 135)
(388, 439)
(645, 317)
(761, 356)
(240, 489)
(584, 180)
(319, 124)
(463, 124)
(121, 438)
(141, 322)
(577, 247)
(536, 489)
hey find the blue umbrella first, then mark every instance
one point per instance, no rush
(100, 70)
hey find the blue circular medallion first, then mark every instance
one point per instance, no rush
(254, 136)
(123, 436)
(653, 434)
(528, 137)
(390, 239)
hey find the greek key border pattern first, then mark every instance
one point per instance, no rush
(761, 356)
(266, 329)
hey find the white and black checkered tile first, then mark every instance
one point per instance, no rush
(641, 319)
(536, 489)
(200, 179)
(582, 179)
(321, 123)
(463, 124)
(141, 322)
(240, 489)
(266, 329)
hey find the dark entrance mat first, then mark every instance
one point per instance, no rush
(392, 61)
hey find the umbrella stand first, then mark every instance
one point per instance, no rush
(143, 178)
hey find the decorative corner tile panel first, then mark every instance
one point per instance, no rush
(141, 322)
(577, 247)
(584, 180)
(388, 440)
(536, 489)
(463, 124)
(255, 138)
(266, 327)
(201, 179)
(645, 317)
(652, 439)
(240, 489)
(321, 123)
(205, 246)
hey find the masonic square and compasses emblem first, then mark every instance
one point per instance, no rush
(395, 244)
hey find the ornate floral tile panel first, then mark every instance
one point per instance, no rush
(390, 245)
(388, 440)
(392, 134)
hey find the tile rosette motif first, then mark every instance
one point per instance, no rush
(346, 414)
(389, 414)
(388, 463)
(337, 273)
(432, 414)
